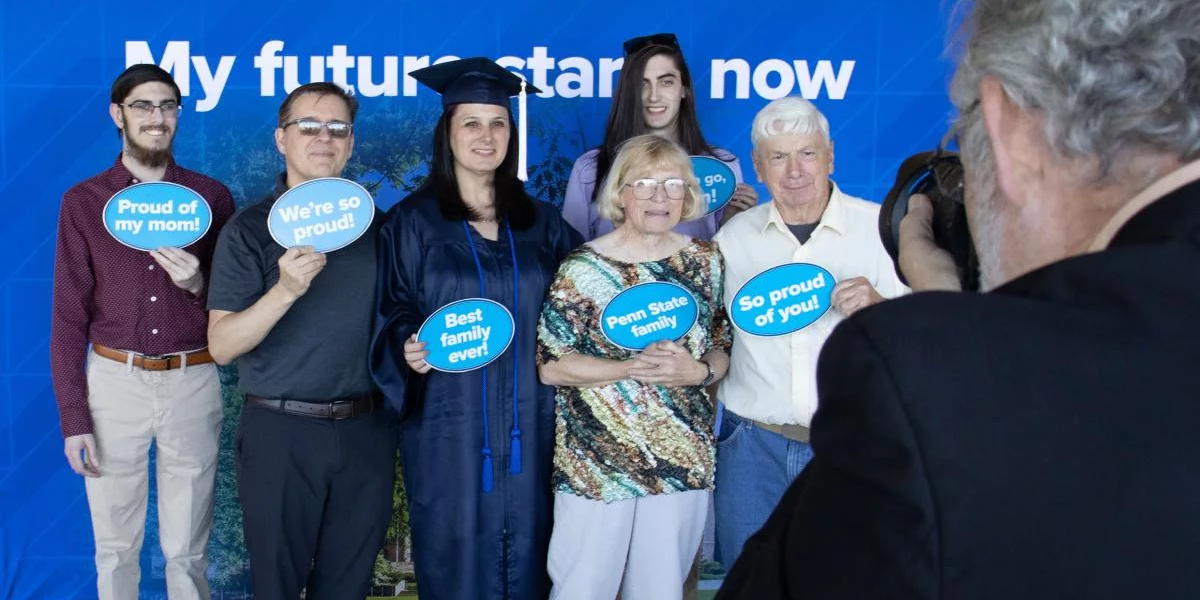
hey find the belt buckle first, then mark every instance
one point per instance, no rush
(166, 357)
(335, 405)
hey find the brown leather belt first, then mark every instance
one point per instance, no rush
(335, 410)
(798, 433)
(154, 363)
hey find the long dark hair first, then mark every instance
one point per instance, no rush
(512, 202)
(625, 118)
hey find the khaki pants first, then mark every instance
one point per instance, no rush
(180, 411)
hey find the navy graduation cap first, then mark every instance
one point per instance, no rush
(472, 81)
(480, 80)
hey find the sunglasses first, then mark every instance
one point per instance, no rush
(659, 39)
(337, 129)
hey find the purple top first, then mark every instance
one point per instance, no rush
(580, 212)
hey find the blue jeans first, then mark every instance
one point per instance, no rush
(754, 469)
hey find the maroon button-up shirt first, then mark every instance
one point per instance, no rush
(110, 294)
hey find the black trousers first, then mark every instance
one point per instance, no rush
(316, 499)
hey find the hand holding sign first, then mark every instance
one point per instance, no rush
(326, 213)
(854, 294)
(744, 198)
(157, 214)
(465, 335)
(782, 299)
(414, 355)
(717, 182)
(182, 267)
(298, 266)
(647, 313)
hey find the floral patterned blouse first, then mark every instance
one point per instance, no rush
(626, 439)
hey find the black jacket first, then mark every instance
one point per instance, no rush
(1038, 441)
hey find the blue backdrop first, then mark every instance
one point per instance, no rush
(874, 67)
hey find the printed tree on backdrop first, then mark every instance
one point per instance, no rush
(392, 145)
(229, 563)
(548, 178)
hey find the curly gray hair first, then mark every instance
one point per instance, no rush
(1110, 78)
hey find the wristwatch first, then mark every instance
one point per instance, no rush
(711, 374)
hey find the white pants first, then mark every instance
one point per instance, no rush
(180, 411)
(642, 548)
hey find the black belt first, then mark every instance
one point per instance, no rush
(336, 410)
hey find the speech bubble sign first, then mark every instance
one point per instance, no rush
(326, 213)
(148, 216)
(782, 299)
(648, 313)
(717, 181)
(466, 334)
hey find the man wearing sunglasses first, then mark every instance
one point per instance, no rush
(315, 454)
(147, 377)
(771, 390)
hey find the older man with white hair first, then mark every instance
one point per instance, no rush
(1037, 440)
(771, 392)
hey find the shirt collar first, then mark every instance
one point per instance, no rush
(834, 216)
(120, 177)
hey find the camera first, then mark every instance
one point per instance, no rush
(939, 175)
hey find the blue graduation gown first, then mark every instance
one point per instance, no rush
(468, 544)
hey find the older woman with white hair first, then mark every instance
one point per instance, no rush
(634, 453)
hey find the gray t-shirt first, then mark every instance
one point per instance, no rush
(318, 350)
(803, 231)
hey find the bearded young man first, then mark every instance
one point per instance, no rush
(147, 377)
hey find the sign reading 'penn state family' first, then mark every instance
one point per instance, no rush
(156, 214)
(326, 213)
(717, 181)
(466, 334)
(782, 299)
(648, 313)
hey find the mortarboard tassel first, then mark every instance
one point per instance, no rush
(522, 139)
(487, 470)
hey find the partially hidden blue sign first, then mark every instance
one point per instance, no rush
(152, 215)
(648, 313)
(717, 181)
(326, 213)
(466, 334)
(782, 299)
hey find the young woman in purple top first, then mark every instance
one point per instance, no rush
(654, 95)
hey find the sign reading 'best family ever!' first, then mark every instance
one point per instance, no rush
(466, 334)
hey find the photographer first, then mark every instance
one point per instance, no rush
(1036, 440)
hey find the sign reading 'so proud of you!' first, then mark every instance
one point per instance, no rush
(156, 214)
(326, 213)
(466, 334)
(648, 313)
(782, 299)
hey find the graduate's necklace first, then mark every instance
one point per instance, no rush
(514, 456)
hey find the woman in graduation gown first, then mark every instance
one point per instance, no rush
(476, 446)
